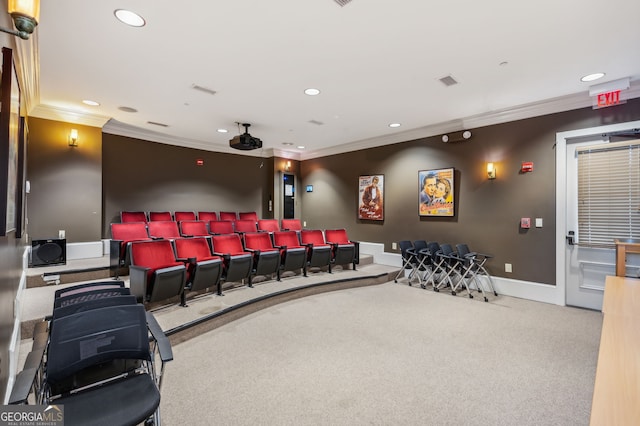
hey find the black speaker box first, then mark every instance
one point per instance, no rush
(48, 252)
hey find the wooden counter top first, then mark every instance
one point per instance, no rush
(622, 296)
(616, 393)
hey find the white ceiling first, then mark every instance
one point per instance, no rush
(376, 62)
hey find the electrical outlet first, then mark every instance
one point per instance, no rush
(507, 267)
(394, 246)
(304, 223)
(61, 234)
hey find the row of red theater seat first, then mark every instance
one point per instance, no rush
(178, 216)
(226, 257)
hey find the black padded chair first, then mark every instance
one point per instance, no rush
(404, 245)
(82, 341)
(472, 268)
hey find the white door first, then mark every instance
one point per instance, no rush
(586, 268)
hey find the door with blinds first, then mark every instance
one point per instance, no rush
(603, 203)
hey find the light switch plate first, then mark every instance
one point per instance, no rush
(538, 222)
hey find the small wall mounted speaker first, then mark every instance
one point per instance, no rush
(48, 252)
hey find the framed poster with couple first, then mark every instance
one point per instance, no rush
(436, 196)
(371, 197)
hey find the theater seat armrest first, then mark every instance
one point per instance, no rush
(138, 281)
(164, 346)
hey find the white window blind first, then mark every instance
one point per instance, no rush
(608, 193)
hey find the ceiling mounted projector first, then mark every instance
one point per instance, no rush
(245, 141)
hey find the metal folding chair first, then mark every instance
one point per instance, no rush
(473, 269)
(404, 245)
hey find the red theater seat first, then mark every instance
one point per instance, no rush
(207, 216)
(221, 227)
(248, 216)
(294, 255)
(182, 216)
(122, 235)
(160, 216)
(344, 251)
(319, 252)
(155, 273)
(232, 216)
(291, 225)
(243, 226)
(268, 225)
(237, 261)
(164, 229)
(193, 228)
(266, 257)
(204, 270)
(126, 217)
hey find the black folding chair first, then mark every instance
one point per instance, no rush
(473, 268)
(82, 342)
(404, 245)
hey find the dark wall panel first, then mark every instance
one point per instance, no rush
(142, 175)
(65, 181)
(487, 212)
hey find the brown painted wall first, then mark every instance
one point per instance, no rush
(142, 175)
(487, 212)
(65, 181)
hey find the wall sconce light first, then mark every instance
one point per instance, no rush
(287, 166)
(491, 171)
(25, 14)
(73, 137)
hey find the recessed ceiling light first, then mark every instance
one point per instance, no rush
(592, 77)
(395, 125)
(300, 146)
(90, 102)
(222, 130)
(312, 92)
(130, 18)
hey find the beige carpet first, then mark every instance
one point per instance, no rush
(389, 355)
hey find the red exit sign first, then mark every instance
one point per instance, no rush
(608, 99)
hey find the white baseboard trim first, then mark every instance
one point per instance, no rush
(86, 250)
(379, 255)
(527, 290)
(504, 286)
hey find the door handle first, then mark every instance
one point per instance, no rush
(570, 239)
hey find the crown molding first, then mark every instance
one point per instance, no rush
(535, 109)
(521, 112)
(48, 112)
(118, 128)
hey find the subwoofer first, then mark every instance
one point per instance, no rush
(48, 252)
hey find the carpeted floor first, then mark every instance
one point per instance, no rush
(389, 355)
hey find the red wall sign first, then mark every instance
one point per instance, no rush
(527, 166)
(608, 99)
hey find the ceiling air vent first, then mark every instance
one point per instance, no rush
(448, 81)
(316, 122)
(342, 2)
(203, 89)
(157, 124)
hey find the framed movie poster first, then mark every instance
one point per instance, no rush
(9, 142)
(371, 197)
(436, 197)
